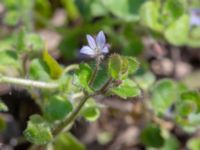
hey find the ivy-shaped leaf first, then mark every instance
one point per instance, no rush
(133, 65)
(172, 10)
(38, 131)
(177, 32)
(164, 94)
(149, 15)
(118, 66)
(114, 66)
(90, 111)
(188, 110)
(84, 74)
(126, 89)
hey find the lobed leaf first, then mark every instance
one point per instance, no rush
(84, 74)
(114, 66)
(38, 131)
(90, 111)
(164, 94)
(126, 89)
(177, 32)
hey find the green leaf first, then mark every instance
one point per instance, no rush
(171, 143)
(193, 144)
(133, 65)
(3, 106)
(164, 94)
(8, 57)
(38, 131)
(57, 108)
(91, 8)
(54, 68)
(114, 66)
(188, 110)
(124, 67)
(192, 96)
(151, 136)
(124, 9)
(84, 74)
(90, 111)
(17, 12)
(69, 51)
(172, 10)
(104, 137)
(185, 108)
(9, 61)
(34, 41)
(194, 37)
(149, 15)
(118, 66)
(20, 43)
(12, 18)
(177, 32)
(101, 77)
(71, 9)
(43, 7)
(67, 141)
(126, 89)
(145, 80)
(38, 70)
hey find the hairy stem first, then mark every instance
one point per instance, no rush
(27, 82)
(98, 60)
(105, 86)
(71, 117)
(70, 68)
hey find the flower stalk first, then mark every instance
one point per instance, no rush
(63, 125)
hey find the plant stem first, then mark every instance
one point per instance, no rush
(106, 85)
(98, 60)
(28, 83)
(71, 117)
(70, 68)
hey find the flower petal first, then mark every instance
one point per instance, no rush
(101, 40)
(87, 51)
(105, 50)
(91, 41)
(195, 17)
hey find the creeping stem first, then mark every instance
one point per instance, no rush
(28, 83)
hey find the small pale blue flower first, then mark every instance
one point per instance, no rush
(195, 17)
(96, 46)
